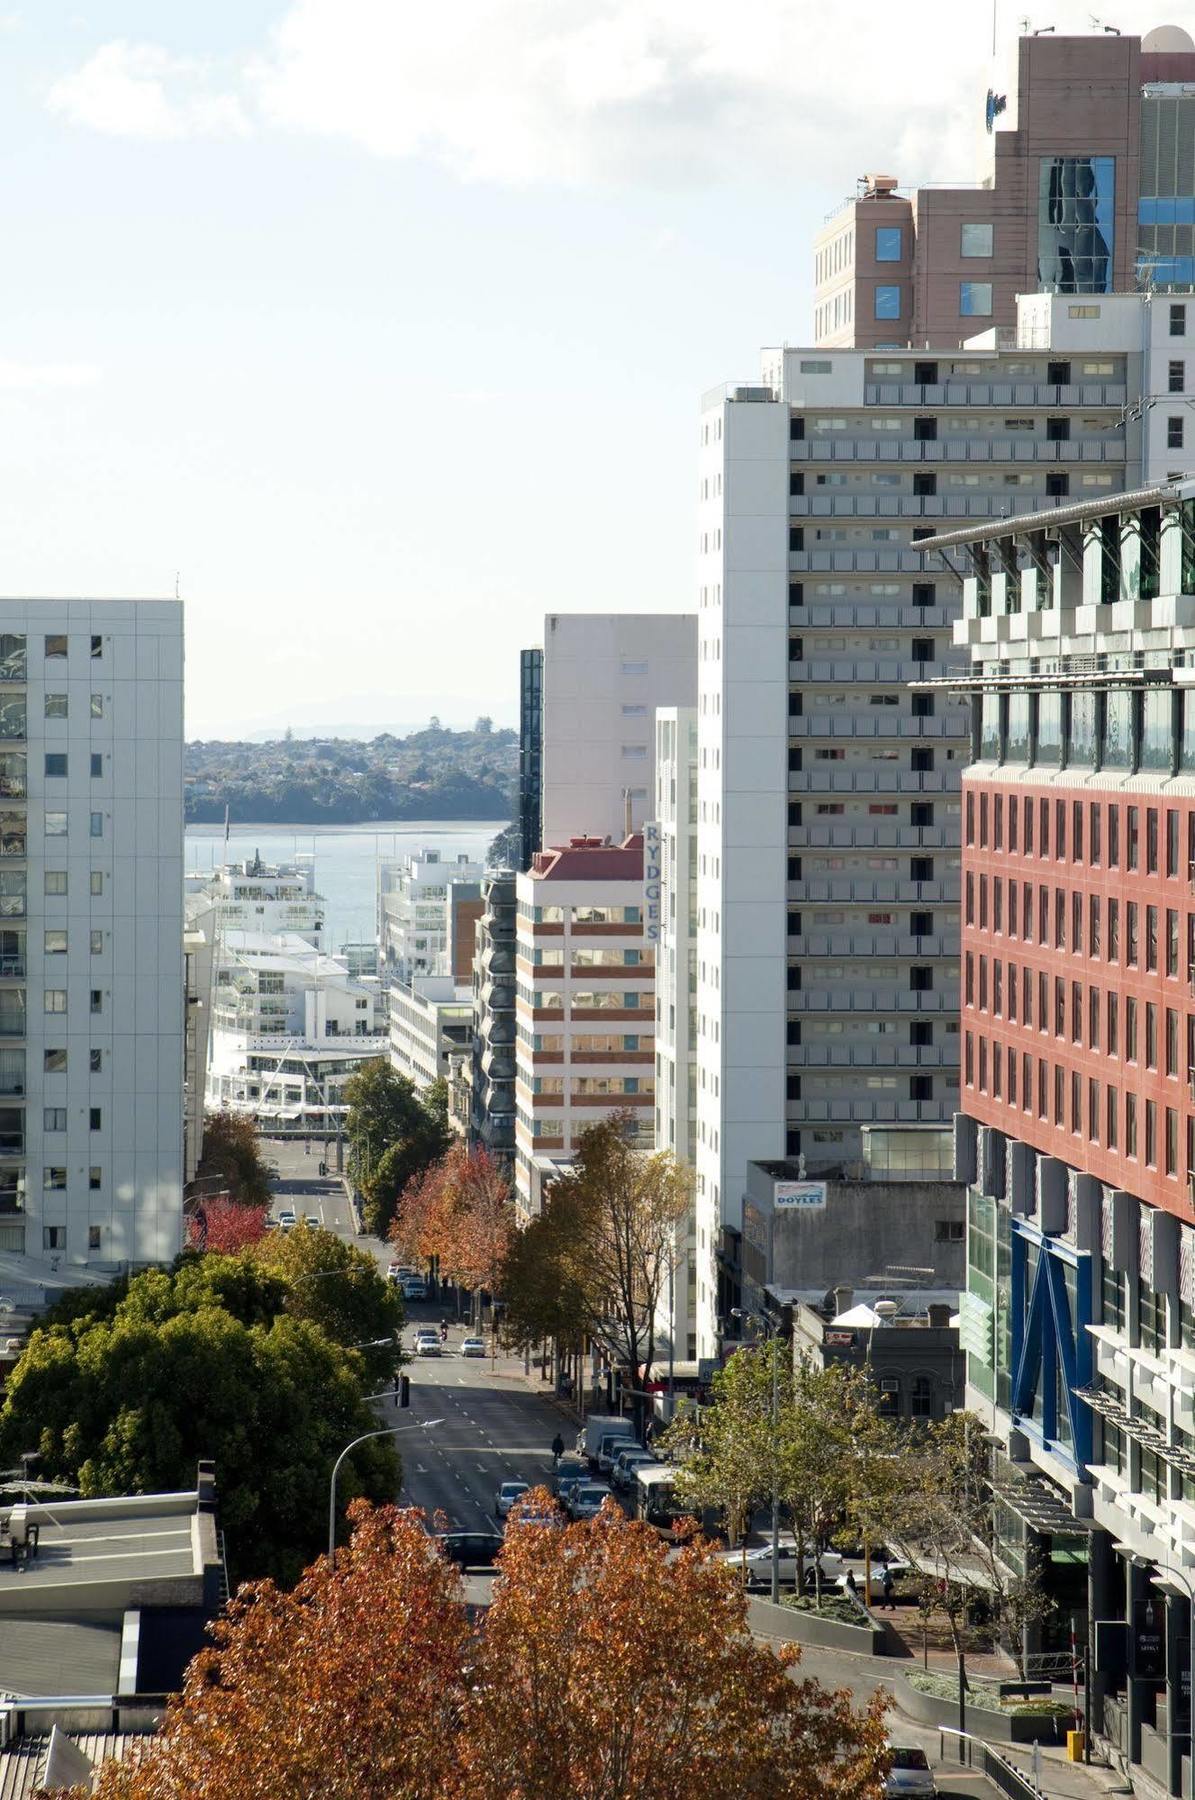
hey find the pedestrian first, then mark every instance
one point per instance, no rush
(889, 1590)
(557, 1449)
(851, 1583)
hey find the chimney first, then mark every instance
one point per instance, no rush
(844, 1299)
(939, 1316)
(626, 812)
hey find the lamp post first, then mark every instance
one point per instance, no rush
(383, 1431)
(1169, 1578)
(771, 1325)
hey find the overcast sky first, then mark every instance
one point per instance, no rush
(382, 325)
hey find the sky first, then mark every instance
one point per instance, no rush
(378, 329)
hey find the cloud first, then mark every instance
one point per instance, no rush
(139, 91)
(591, 92)
(17, 375)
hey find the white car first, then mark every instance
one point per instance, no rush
(286, 1219)
(312, 1222)
(473, 1346)
(508, 1495)
(759, 1566)
(910, 1776)
(427, 1343)
(586, 1498)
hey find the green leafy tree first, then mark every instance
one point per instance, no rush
(232, 1156)
(129, 1403)
(394, 1133)
(726, 1456)
(338, 1288)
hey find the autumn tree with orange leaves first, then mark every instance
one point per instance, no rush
(459, 1212)
(603, 1670)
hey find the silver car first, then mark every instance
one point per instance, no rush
(910, 1776)
(585, 1499)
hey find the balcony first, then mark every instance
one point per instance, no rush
(837, 614)
(993, 505)
(873, 1056)
(957, 450)
(868, 890)
(880, 778)
(861, 836)
(12, 834)
(873, 1000)
(953, 722)
(13, 1023)
(898, 946)
(1035, 394)
(866, 1112)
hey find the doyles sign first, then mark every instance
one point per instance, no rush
(651, 882)
(805, 1196)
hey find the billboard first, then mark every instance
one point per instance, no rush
(802, 1196)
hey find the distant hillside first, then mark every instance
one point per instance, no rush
(431, 774)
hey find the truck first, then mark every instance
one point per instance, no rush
(596, 1427)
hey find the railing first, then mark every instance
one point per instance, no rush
(973, 1753)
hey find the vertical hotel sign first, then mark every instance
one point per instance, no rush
(651, 881)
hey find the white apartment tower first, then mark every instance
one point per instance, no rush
(91, 953)
(604, 675)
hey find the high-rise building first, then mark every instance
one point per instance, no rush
(584, 1004)
(1087, 187)
(828, 806)
(427, 909)
(600, 678)
(1077, 1130)
(254, 896)
(531, 744)
(91, 954)
(492, 1099)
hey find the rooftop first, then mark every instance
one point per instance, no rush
(590, 859)
(983, 531)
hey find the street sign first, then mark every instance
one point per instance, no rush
(1148, 1644)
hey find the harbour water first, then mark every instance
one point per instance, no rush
(346, 858)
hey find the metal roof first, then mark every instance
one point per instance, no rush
(986, 530)
(58, 1656)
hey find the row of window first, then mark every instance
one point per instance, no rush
(1117, 729)
(1080, 831)
(974, 300)
(57, 706)
(54, 1120)
(14, 652)
(57, 765)
(1085, 1107)
(974, 240)
(1086, 917)
(1081, 1015)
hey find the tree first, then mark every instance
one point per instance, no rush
(827, 1419)
(129, 1403)
(725, 1458)
(458, 1211)
(351, 1685)
(224, 1225)
(341, 1290)
(232, 1155)
(614, 1214)
(394, 1133)
(605, 1669)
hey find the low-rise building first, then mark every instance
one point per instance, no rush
(429, 1022)
(267, 898)
(907, 1342)
(426, 907)
(584, 1002)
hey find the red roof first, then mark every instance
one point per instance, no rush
(591, 859)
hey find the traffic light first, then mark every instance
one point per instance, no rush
(404, 1390)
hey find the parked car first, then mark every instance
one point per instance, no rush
(508, 1495)
(759, 1566)
(470, 1549)
(609, 1445)
(413, 1290)
(473, 1346)
(585, 1499)
(622, 1475)
(910, 1776)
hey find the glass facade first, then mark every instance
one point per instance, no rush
(1047, 746)
(888, 243)
(1116, 751)
(1018, 728)
(1080, 749)
(1075, 224)
(1157, 734)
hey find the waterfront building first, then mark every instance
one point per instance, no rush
(91, 953)
(268, 899)
(289, 1026)
(1077, 1130)
(492, 1074)
(427, 908)
(584, 1005)
(1086, 186)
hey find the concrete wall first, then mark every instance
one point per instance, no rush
(866, 1228)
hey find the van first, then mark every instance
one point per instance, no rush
(597, 1426)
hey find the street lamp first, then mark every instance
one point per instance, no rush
(771, 1325)
(383, 1431)
(1169, 1580)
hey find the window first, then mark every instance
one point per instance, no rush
(93, 1236)
(97, 646)
(55, 881)
(56, 763)
(888, 243)
(95, 1179)
(55, 1000)
(56, 706)
(95, 1118)
(97, 1000)
(1178, 320)
(54, 1118)
(97, 706)
(1176, 377)
(1174, 432)
(53, 1180)
(97, 949)
(97, 824)
(96, 1061)
(97, 764)
(976, 240)
(55, 824)
(55, 943)
(54, 1061)
(55, 644)
(975, 299)
(887, 302)
(97, 881)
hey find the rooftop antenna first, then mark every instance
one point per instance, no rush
(177, 594)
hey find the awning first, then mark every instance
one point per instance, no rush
(1040, 1505)
(986, 531)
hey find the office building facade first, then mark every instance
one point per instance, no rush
(1086, 186)
(92, 980)
(492, 1096)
